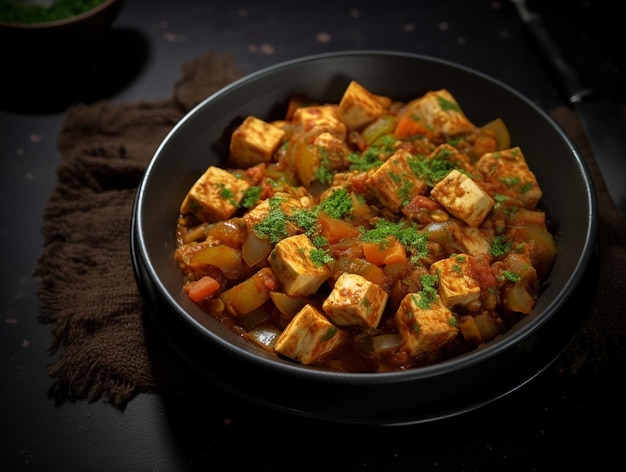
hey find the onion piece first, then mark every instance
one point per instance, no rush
(254, 249)
(386, 342)
(287, 304)
(265, 335)
(374, 342)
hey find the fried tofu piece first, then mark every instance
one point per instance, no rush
(473, 241)
(463, 198)
(261, 211)
(509, 168)
(457, 285)
(447, 152)
(308, 336)
(394, 183)
(319, 119)
(439, 111)
(359, 107)
(326, 151)
(291, 260)
(355, 300)
(331, 151)
(254, 141)
(215, 196)
(424, 329)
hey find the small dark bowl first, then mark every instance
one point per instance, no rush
(410, 396)
(52, 65)
(68, 32)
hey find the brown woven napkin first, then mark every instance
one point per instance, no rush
(104, 346)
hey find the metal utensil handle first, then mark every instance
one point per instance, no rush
(566, 78)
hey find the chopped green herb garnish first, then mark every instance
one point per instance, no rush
(432, 170)
(251, 196)
(274, 225)
(429, 293)
(511, 276)
(509, 181)
(366, 161)
(499, 246)
(526, 187)
(323, 173)
(227, 194)
(447, 105)
(337, 204)
(319, 257)
(305, 219)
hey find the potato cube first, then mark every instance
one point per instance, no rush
(359, 106)
(463, 198)
(394, 183)
(424, 328)
(308, 336)
(254, 141)
(291, 260)
(215, 196)
(509, 171)
(439, 111)
(457, 284)
(355, 300)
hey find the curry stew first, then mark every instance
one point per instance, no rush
(369, 235)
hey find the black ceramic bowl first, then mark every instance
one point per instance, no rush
(417, 395)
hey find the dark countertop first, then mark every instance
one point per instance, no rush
(555, 419)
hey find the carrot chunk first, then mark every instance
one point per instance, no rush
(204, 287)
(388, 252)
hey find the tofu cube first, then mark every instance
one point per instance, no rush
(291, 260)
(331, 151)
(355, 300)
(509, 171)
(457, 285)
(394, 183)
(254, 141)
(308, 337)
(455, 158)
(439, 111)
(261, 211)
(424, 329)
(463, 198)
(326, 151)
(359, 107)
(473, 241)
(215, 196)
(320, 119)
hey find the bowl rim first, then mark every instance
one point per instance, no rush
(43, 25)
(490, 350)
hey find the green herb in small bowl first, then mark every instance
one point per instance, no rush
(43, 11)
